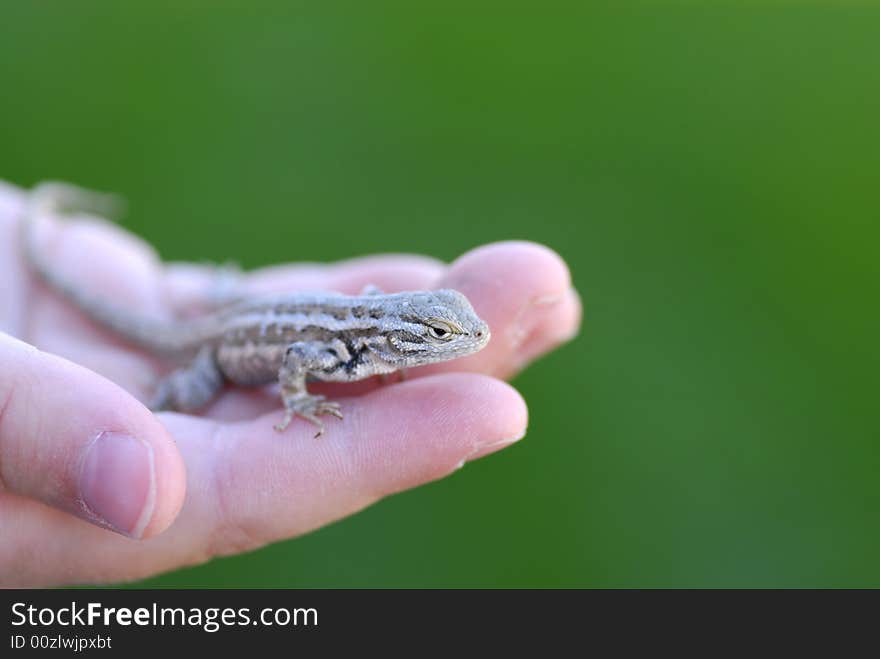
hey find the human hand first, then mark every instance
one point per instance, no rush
(76, 446)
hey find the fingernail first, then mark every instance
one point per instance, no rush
(530, 315)
(538, 328)
(117, 483)
(493, 446)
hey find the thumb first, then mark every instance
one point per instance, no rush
(77, 442)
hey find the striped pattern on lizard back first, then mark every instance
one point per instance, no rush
(257, 334)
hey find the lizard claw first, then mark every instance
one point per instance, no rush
(309, 407)
(395, 376)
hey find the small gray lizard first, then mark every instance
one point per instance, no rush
(291, 338)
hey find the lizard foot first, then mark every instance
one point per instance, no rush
(309, 407)
(395, 376)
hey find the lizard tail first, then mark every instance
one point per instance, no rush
(50, 198)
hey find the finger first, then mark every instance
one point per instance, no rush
(191, 285)
(250, 485)
(77, 442)
(523, 291)
(390, 440)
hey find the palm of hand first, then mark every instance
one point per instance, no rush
(246, 485)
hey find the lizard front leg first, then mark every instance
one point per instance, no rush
(300, 360)
(192, 387)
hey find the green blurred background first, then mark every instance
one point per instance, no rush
(710, 172)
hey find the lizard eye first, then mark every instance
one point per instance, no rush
(442, 329)
(440, 332)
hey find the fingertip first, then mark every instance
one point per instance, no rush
(509, 427)
(521, 266)
(430, 426)
(523, 291)
(502, 413)
(131, 477)
(80, 443)
(561, 324)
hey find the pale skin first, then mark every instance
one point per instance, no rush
(224, 480)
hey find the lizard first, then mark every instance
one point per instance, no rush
(292, 338)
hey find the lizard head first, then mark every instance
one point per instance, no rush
(436, 326)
